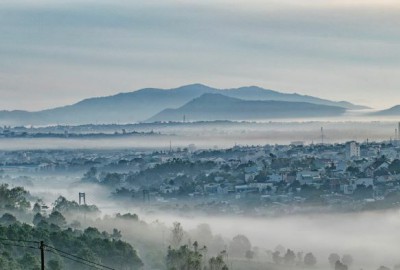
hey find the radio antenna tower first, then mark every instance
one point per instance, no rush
(398, 132)
(322, 135)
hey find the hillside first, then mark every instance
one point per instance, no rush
(209, 107)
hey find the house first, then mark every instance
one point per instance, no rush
(168, 189)
(364, 181)
(308, 177)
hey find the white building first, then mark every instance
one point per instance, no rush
(353, 149)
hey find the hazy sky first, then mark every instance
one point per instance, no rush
(57, 52)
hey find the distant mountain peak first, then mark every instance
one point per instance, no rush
(200, 85)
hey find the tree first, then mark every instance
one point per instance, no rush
(353, 170)
(240, 245)
(75, 224)
(183, 258)
(112, 179)
(13, 199)
(310, 260)
(37, 208)
(90, 244)
(54, 265)
(28, 261)
(38, 218)
(57, 218)
(65, 207)
(116, 235)
(203, 233)
(249, 254)
(290, 257)
(91, 175)
(89, 255)
(333, 258)
(92, 233)
(176, 235)
(196, 246)
(394, 167)
(8, 219)
(280, 248)
(300, 256)
(340, 266)
(217, 263)
(7, 262)
(347, 259)
(276, 257)
(128, 217)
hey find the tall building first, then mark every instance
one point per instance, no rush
(353, 149)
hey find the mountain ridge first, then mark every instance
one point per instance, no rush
(392, 111)
(212, 107)
(136, 106)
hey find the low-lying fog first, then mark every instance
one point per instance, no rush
(372, 238)
(221, 135)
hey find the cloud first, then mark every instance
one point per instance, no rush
(336, 50)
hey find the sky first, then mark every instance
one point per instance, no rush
(55, 53)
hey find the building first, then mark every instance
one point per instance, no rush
(353, 149)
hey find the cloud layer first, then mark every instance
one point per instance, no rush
(54, 53)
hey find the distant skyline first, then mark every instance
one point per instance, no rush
(55, 53)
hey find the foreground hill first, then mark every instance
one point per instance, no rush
(210, 107)
(142, 104)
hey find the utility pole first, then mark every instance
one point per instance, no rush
(42, 254)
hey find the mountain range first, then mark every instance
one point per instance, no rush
(211, 107)
(145, 104)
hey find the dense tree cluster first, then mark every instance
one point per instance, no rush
(90, 244)
(54, 230)
(13, 199)
(193, 258)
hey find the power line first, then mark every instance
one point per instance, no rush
(52, 250)
(81, 262)
(77, 257)
(16, 245)
(19, 240)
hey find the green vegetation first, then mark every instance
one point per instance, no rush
(194, 259)
(13, 199)
(19, 242)
(91, 244)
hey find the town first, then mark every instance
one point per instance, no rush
(244, 180)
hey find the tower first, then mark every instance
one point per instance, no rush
(322, 135)
(82, 198)
(146, 195)
(398, 132)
